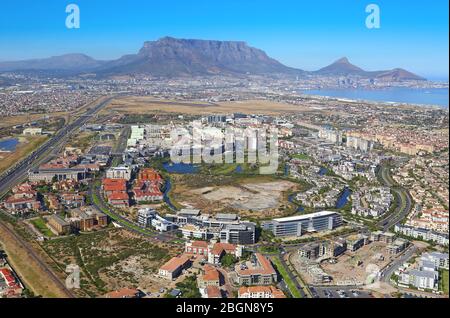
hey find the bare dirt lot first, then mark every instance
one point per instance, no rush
(255, 199)
(141, 105)
(356, 266)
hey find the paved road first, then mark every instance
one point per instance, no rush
(289, 272)
(18, 173)
(387, 272)
(403, 199)
(130, 225)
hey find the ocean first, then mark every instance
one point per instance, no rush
(429, 96)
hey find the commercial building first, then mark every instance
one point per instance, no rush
(424, 234)
(32, 131)
(301, 224)
(174, 267)
(145, 217)
(397, 246)
(380, 236)
(120, 172)
(421, 279)
(210, 277)
(243, 233)
(257, 271)
(440, 260)
(48, 174)
(59, 225)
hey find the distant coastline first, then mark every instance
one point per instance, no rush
(399, 95)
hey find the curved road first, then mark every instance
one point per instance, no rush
(403, 199)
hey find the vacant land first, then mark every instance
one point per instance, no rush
(356, 266)
(29, 270)
(444, 281)
(112, 259)
(140, 105)
(24, 119)
(255, 197)
(26, 145)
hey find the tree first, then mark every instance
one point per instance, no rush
(228, 260)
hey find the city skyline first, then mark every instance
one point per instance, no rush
(297, 37)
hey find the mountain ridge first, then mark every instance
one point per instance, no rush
(172, 57)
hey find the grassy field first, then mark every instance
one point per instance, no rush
(444, 281)
(139, 105)
(27, 145)
(301, 156)
(41, 226)
(290, 284)
(34, 277)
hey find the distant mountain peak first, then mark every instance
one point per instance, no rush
(341, 67)
(342, 60)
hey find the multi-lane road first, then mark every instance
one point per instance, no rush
(402, 198)
(18, 173)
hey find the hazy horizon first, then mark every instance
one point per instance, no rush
(301, 35)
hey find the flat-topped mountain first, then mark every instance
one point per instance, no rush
(171, 57)
(182, 57)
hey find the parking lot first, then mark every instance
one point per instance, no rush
(339, 292)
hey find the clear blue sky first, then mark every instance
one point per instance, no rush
(305, 34)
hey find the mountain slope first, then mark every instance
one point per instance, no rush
(68, 62)
(343, 67)
(182, 57)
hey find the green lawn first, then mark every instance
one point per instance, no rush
(41, 226)
(444, 281)
(290, 284)
(301, 156)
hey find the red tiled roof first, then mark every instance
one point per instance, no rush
(213, 292)
(118, 196)
(174, 263)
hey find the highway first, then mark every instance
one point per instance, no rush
(402, 197)
(18, 173)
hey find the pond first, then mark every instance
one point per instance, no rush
(300, 208)
(343, 198)
(9, 144)
(167, 188)
(323, 171)
(181, 168)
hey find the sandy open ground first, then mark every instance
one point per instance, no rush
(245, 198)
(142, 105)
